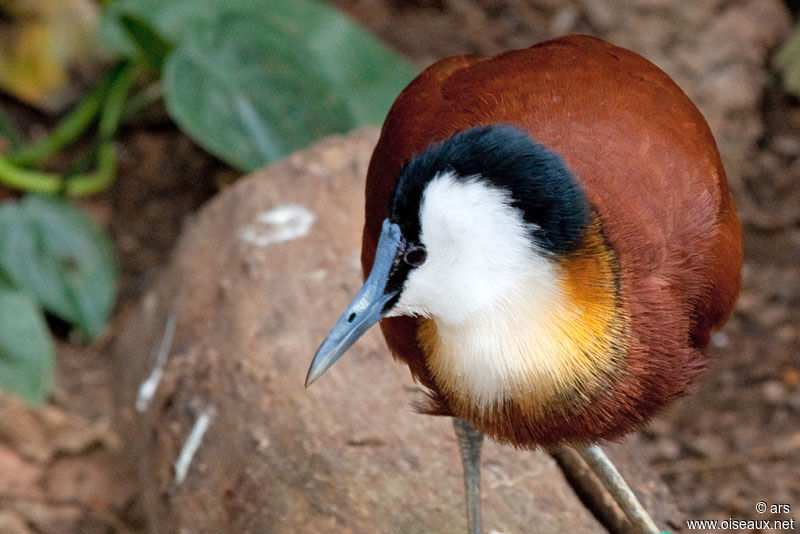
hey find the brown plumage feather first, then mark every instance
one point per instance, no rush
(648, 163)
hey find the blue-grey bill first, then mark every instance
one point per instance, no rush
(366, 309)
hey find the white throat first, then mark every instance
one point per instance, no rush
(489, 290)
(480, 254)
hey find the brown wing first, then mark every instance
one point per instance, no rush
(645, 157)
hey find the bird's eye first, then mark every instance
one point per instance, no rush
(415, 255)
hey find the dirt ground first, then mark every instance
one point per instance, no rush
(734, 443)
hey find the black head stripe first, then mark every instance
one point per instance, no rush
(538, 181)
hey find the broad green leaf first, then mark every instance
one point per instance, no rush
(54, 252)
(173, 19)
(252, 80)
(363, 72)
(787, 60)
(9, 132)
(153, 48)
(26, 350)
(246, 94)
(252, 89)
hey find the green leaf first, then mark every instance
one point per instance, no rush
(9, 131)
(252, 89)
(53, 251)
(26, 350)
(153, 48)
(246, 95)
(362, 71)
(787, 60)
(172, 20)
(252, 80)
(69, 127)
(32, 181)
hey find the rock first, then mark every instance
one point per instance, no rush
(38, 435)
(86, 479)
(785, 145)
(60, 472)
(47, 518)
(707, 447)
(564, 20)
(773, 392)
(23, 430)
(666, 450)
(231, 441)
(18, 477)
(11, 523)
(601, 13)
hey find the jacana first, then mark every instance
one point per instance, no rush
(550, 241)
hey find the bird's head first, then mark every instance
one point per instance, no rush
(473, 220)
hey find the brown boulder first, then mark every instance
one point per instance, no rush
(251, 290)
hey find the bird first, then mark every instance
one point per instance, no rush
(549, 243)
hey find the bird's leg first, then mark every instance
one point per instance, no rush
(618, 488)
(469, 442)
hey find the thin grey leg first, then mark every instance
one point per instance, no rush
(470, 441)
(618, 488)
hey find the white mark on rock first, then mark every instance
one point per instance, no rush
(192, 443)
(318, 275)
(148, 388)
(283, 223)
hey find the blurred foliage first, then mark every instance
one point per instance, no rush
(248, 80)
(53, 251)
(41, 42)
(52, 257)
(251, 80)
(787, 60)
(26, 351)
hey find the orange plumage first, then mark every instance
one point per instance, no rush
(666, 221)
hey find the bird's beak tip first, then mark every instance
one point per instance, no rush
(366, 309)
(309, 380)
(314, 372)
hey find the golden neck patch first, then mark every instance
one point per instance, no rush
(543, 351)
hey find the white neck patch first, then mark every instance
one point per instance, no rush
(485, 284)
(480, 253)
